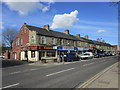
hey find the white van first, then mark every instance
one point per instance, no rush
(87, 55)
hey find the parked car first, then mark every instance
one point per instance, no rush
(87, 55)
(68, 57)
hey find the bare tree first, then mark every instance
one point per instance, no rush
(8, 36)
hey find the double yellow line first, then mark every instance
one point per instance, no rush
(85, 84)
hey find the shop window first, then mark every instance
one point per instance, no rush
(32, 54)
(43, 40)
(50, 54)
(42, 54)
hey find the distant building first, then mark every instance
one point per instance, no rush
(34, 43)
(117, 48)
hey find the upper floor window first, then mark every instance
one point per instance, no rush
(53, 41)
(21, 41)
(33, 39)
(43, 40)
(24, 30)
(18, 41)
(61, 42)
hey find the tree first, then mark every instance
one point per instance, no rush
(8, 36)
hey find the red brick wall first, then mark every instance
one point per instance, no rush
(24, 35)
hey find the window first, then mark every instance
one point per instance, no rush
(42, 54)
(18, 42)
(24, 30)
(53, 41)
(61, 42)
(32, 54)
(50, 54)
(43, 40)
(21, 41)
(33, 39)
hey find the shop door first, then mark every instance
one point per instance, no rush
(39, 55)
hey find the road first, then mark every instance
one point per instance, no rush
(54, 76)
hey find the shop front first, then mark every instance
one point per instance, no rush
(66, 49)
(37, 53)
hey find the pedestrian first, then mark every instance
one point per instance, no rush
(63, 58)
(58, 59)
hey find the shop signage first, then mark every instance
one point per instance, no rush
(80, 48)
(92, 45)
(33, 48)
(86, 48)
(66, 48)
(42, 47)
(48, 47)
(54, 47)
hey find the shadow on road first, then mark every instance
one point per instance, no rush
(8, 63)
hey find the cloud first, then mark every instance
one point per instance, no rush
(23, 8)
(65, 20)
(101, 31)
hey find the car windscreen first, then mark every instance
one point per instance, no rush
(85, 54)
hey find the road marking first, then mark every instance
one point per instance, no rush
(11, 85)
(88, 64)
(33, 69)
(15, 72)
(85, 84)
(59, 72)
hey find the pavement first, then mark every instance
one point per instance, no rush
(107, 78)
(67, 75)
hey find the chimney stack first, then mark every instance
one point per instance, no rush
(78, 35)
(86, 36)
(24, 23)
(46, 27)
(98, 40)
(66, 31)
(103, 41)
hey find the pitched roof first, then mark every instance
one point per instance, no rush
(100, 43)
(51, 33)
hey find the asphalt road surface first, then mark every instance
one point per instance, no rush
(54, 76)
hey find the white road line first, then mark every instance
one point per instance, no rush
(88, 64)
(11, 85)
(15, 72)
(33, 69)
(59, 72)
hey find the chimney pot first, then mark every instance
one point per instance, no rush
(77, 35)
(103, 41)
(46, 27)
(98, 40)
(66, 31)
(86, 37)
(24, 23)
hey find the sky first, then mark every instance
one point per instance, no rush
(95, 19)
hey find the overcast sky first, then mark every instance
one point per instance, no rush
(97, 20)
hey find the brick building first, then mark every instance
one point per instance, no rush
(34, 43)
